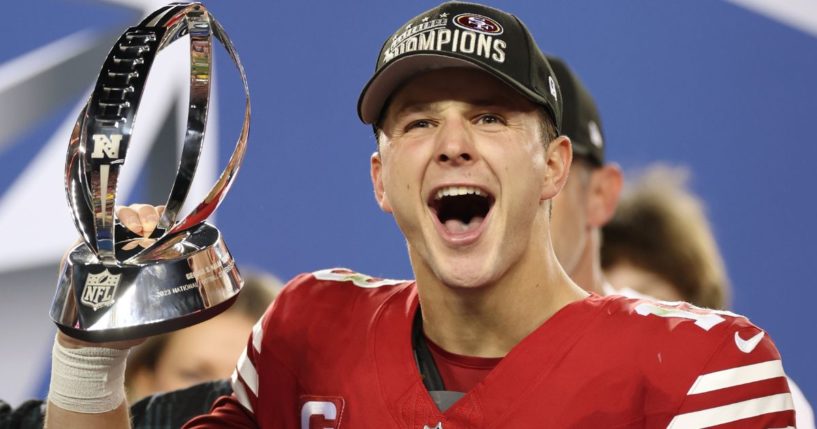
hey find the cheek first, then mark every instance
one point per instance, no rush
(402, 176)
(520, 153)
(399, 180)
(526, 175)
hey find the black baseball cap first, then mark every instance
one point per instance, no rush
(457, 34)
(581, 121)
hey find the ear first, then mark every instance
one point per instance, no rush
(603, 193)
(377, 183)
(559, 155)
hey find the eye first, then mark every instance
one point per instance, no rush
(490, 119)
(421, 123)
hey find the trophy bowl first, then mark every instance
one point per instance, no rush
(115, 285)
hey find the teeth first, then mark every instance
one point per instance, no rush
(453, 191)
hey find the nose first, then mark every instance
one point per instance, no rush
(455, 145)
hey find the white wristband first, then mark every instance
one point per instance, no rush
(87, 380)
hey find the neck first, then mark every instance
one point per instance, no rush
(587, 273)
(489, 320)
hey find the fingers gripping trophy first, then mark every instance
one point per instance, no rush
(111, 289)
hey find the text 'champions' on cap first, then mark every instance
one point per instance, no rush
(457, 34)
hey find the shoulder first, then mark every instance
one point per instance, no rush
(317, 303)
(344, 277)
(666, 315)
(663, 336)
(315, 316)
(709, 362)
(697, 333)
(337, 286)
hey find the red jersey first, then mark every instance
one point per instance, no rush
(460, 373)
(334, 351)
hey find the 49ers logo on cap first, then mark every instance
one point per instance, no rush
(478, 23)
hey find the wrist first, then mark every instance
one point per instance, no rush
(87, 379)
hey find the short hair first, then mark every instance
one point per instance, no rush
(660, 226)
(259, 290)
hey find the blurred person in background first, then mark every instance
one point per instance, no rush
(203, 352)
(660, 243)
(588, 199)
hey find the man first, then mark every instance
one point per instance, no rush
(493, 333)
(589, 198)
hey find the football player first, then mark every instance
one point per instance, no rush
(492, 332)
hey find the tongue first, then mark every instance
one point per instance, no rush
(458, 226)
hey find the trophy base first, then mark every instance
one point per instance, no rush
(142, 331)
(186, 278)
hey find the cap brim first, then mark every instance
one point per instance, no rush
(383, 84)
(388, 79)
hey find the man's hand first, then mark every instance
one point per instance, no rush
(140, 218)
(87, 379)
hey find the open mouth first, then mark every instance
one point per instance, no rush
(461, 209)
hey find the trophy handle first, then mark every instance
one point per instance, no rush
(222, 185)
(199, 29)
(103, 131)
(75, 188)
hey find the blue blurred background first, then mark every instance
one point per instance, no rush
(725, 88)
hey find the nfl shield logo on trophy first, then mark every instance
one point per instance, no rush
(100, 289)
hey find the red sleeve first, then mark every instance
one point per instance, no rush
(263, 388)
(742, 385)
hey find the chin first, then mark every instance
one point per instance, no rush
(470, 267)
(460, 282)
(466, 275)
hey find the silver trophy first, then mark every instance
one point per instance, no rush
(115, 285)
